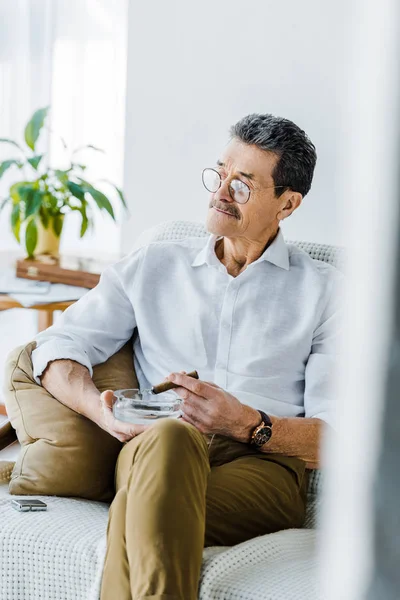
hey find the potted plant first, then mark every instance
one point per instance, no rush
(41, 200)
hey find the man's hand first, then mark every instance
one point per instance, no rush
(213, 410)
(118, 429)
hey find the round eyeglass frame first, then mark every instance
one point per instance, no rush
(231, 190)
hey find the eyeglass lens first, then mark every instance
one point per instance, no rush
(238, 190)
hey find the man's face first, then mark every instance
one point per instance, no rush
(254, 167)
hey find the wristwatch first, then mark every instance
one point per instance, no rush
(263, 432)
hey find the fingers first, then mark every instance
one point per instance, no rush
(125, 432)
(107, 398)
(191, 420)
(212, 384)
(198, 387)
(119, 429)
(168, 379)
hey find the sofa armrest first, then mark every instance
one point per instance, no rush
(8, 435)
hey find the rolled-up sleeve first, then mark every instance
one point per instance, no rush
(323, 359)
(95, 327)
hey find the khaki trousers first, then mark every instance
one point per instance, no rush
(176, 494)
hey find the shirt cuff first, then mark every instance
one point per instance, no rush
(56, 350)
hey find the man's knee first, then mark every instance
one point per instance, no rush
(177, 445)
(168, 439)
(174, 432)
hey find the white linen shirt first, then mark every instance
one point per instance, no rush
(267, 336)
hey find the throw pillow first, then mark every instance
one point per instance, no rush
(62, 452)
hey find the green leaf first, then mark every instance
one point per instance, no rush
(33, 202)
(119, 192)
(84, 226)
(101, 200)
(19, 191)
(58, 222)
(31, 235)
(122, 197)
(85, 220)
(4, 202)
(32, 130)
(7, 141)
(16, 222)
(35, 160)
(7, 164)
(14, 191)
(62, 176)
(52, 200)
(44, 217)
(76, 190)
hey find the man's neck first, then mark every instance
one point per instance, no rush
(237, 253)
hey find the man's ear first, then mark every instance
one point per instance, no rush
(292, 201)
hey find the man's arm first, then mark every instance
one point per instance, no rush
(214, 410)
(71, 384)
(95, 327)
(86, 334)
(293, 436)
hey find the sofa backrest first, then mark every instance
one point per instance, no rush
(177, 230)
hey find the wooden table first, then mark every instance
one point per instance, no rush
(45, 310)
(45, 316)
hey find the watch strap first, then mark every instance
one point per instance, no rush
(266, 423)
(265, 418)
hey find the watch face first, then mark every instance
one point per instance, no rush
(263, 436)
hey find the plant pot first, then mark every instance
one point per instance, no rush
(48, 242)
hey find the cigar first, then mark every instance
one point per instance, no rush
(169, 385)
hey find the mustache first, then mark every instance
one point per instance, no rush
(231, 212)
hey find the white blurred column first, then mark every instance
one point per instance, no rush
(369, 193)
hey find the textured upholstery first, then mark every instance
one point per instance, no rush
(58, 555)
(177, 230)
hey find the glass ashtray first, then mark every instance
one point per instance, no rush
(142, 408)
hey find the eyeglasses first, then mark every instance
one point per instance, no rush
(238, 190)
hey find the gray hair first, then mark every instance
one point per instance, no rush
(297, 155)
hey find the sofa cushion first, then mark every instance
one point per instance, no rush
(59, 555)
(63, 453)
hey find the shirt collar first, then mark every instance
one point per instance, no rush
(277, 253)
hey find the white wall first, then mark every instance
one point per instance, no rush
(196, 68)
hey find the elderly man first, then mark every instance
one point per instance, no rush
(257, 318)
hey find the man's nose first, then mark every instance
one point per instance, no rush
(223, 192)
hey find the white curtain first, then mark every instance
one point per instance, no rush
(26, 30)
(70, 54)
